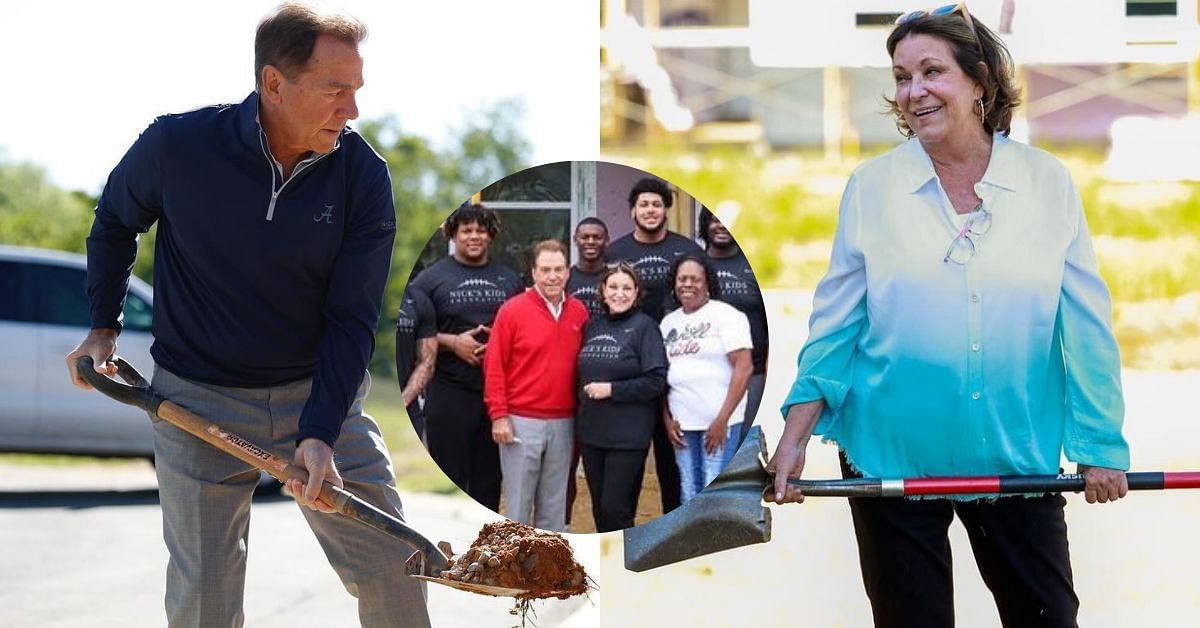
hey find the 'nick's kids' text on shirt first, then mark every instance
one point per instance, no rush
(653, 264)
(739, 288)
(464, 297)
(585, 287)
(627, 351)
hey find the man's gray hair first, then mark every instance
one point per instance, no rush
(285, 39)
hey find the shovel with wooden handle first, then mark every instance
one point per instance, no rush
(426, 563)
(730, 512)
(428, 560)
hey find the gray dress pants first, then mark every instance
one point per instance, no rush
(536, 470)
(206, 496)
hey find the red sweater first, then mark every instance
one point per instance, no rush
(529, 365)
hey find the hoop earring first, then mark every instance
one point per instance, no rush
(982, 113)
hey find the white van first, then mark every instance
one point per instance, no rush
(44, 313)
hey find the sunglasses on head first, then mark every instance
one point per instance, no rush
(949, 9)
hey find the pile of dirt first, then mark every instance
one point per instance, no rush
(512, 555)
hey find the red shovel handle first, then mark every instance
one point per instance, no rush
(990, 485)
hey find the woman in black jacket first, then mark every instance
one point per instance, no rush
(622, 378)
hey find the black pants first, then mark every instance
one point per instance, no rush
(417, 416)
(572, 490)
(1020, 545)
(665, 467)
(460, 440)
(614, 477)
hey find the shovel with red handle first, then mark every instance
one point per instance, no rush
(730, 513)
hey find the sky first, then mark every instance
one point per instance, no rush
(83, 79)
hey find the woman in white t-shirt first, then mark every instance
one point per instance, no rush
(708, 346)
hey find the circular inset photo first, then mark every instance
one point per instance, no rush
(582, 346)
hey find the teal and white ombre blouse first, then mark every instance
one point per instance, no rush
(931, 368)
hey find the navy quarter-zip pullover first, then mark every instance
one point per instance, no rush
(258, 280)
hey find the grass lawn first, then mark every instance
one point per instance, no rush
(59, 460)
(415, 470)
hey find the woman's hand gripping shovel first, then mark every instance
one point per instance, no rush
(730, 512)
(426, 563)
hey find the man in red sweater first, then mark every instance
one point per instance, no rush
(529, 389)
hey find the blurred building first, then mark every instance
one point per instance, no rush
(791, 74)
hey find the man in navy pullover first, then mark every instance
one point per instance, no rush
(275, 229)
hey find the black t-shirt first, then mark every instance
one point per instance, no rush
(626, 350)
(414, 321)
(653, 263)
(463, 297)
(739, 288)
(584, 286)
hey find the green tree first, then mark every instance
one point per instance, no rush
(429, 181)
(35, 212)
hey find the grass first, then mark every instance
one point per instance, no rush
(415, 470)
(62, 460)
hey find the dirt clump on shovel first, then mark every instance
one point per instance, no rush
(513, 555)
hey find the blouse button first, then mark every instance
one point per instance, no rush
(975, 395)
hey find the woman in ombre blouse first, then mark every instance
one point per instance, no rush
(962, 330)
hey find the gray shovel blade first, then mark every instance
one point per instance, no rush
(728, 513)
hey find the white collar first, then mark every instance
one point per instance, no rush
(1001, 171)
(555, 310)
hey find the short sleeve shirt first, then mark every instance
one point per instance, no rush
(584, 286)
(414, 321)
(464, 297)
(698, 348)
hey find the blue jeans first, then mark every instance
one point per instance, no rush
(696, 467)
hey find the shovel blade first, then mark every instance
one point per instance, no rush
(727, 514)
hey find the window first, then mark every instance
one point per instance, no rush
(60, 297)
(1150, 8)
(14, 292)
(521, 230)
(533, 205)
(550, 183)
(138, 314)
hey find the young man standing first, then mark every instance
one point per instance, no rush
(591, 241)
(466, 290)
(739, 288)
(529, 387)
(651, 249)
